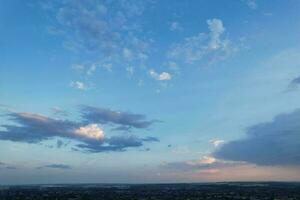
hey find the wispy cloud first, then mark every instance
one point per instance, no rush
(59, 112)
(216, 142)
(208, 47)
(206, 164)
(175, 26)
(252, 4)
(78, 85)
(4, 165)
(56, 166)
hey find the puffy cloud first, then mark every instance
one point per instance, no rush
(164, 76)
(103, 116)
(35, 128)
(270, 143)
(208, 47)
(216, 30)
(56, 166)
(92, 131)
(78, 85)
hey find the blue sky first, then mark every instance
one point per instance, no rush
(149, 91)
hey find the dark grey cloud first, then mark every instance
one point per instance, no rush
(271, 143)
(116, 143)
(122, 128)
(4, 165)
(294, 84)
(10, 167)
(296, 80)
(35, 128)
(126, 120)
(55, 166)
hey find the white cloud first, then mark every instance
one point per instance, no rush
(175, 26)
(109, 29)
(78, 85)
(92, 131)
(203, 47)
(251, 4)
(204, 160)
(216, 142)
(164, 76)
(216, 30)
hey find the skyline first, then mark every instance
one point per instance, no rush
(149, 91)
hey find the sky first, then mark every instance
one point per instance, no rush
(115, 91)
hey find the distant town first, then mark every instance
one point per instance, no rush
(213, 191)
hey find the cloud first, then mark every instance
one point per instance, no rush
(216, 142)
(35, 128)
(296, 80)
(206, 47)
(216, 30)
(116, 143)
(78, 85)
(104, 116)
(164, 76)
(60, 112)
(109, 29)
(56, 166)
(294, 83)
(270, 143)
(6, 166)
(204, 164)
(130, 70)
(175, 26)
(92, 131)
(251, 4)
(10, 167)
